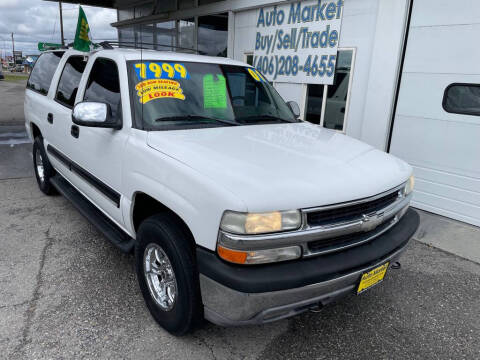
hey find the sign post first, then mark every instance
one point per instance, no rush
(298, 42)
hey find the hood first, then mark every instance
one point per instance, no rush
(284, 166)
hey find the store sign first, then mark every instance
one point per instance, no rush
(297, 42)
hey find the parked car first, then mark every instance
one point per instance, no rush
(237, 211)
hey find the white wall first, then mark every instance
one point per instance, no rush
(378, 43)
(384, 70)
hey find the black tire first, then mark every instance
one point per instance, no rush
(164, 230)
(48, 170)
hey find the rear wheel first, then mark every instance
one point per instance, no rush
(167, 274)
(42, 167)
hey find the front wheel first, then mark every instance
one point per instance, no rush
(167, 274)
(42, 167)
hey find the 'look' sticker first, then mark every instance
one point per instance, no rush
(148, 90)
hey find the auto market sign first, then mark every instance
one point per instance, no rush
(297, 42)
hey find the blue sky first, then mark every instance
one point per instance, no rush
(32, 21)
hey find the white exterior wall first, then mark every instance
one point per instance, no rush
(375, 29)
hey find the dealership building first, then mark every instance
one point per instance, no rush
(404, 76)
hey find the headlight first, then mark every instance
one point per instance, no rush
(409, 185)
(259, 256)
(260, 223)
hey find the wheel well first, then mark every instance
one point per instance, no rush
(146, 206)
(35, 131)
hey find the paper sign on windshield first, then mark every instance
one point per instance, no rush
(214, 92)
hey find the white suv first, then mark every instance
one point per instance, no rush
(237, 211)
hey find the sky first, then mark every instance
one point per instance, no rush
(34, 21)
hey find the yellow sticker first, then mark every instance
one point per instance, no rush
(257, 75)
(254, 74)
(148, 90)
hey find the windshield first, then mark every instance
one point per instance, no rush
(174, 95)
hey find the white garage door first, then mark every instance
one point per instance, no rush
(443, 147)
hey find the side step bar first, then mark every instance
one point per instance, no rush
(111, 231)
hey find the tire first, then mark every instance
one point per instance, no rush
(180, 310)
(44, 171)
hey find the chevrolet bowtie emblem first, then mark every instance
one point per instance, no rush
(371, 221)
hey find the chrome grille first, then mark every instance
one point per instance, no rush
(332, 228)
(350, 212)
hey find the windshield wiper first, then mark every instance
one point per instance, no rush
(196, 117)
(263, 117)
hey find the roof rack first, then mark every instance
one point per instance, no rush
(110, 44)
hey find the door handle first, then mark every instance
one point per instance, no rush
(75, 131)
(50, 118)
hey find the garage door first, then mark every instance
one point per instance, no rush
(437, 122)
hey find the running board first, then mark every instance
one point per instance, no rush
(109, 229)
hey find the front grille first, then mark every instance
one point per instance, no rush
(345, 241)
(350, 212)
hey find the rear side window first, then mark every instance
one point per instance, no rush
(68, 84)
(462, 99)
(104, 85)
(42, 73)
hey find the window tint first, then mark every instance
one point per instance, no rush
(69, 80)
(462, 99)
(104, 85)
(43, 71)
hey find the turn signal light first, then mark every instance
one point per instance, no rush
(234, 256)
(259, 256)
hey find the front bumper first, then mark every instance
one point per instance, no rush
(239, 295)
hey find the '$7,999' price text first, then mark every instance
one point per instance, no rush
(279, 65)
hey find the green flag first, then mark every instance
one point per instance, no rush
(82, 40)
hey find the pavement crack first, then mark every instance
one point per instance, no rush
(30, 311)
(207, 345)
(15, 305)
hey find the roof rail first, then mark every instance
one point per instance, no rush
(109, 44)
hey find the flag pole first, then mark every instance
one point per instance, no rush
(61, 22)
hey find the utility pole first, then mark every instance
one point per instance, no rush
(13, 45)
(61, 22)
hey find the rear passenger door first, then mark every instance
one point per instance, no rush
(97, 151)
(37, 102)
(59, 148)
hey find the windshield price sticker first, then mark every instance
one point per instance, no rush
(298, 42)
(256, 75)
(148, 90)
(161, 70)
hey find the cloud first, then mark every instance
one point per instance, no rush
(34, 21)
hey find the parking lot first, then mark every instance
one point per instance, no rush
(65, 292)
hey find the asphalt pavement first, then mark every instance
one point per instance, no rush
(65, 292)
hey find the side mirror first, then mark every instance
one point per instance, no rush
(295, 108)
(94, 114)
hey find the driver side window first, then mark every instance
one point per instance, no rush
(104, 85)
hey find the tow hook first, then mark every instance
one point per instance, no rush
(396, 265)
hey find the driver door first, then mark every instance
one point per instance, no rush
(98, 152)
